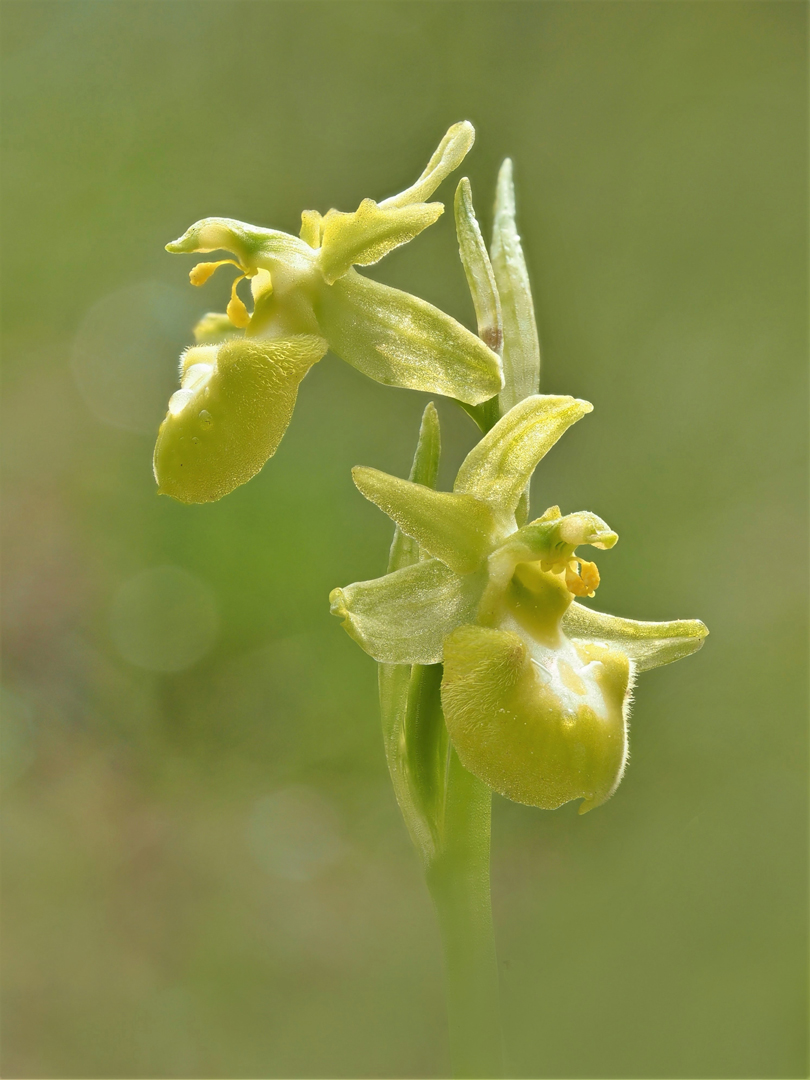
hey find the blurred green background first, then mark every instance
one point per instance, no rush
(205, 871)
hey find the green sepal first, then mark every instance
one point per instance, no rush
(647, 644)
(399, 340)
(449, 154)
(501, 465)
(229, 416)
(364, 237)
(424, 470)
(521, 347)
(458, 529)
(403, 618)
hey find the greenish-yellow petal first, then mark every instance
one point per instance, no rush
(229, 416)
(214, 328)
(403, 618)
(648, 644)
(501, 465)
(399, 340)
(364, 237)
(449, 154)
(458, 529)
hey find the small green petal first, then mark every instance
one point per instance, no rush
(311, 228)
(228, 418)
(214, 328)
(521, 348)
(399, 340)
(648, 644)
(501, 465)
(449, 154)
(458, 529)
(403, 618)
(364, 237)
(424, 470)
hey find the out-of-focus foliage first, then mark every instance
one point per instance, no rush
(205, 872)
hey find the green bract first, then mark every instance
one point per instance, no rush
(536, 686)
(237, 396)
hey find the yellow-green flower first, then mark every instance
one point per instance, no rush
(536, 686)
(239, 383)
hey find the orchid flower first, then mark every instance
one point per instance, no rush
(239, 382)
(536, 686)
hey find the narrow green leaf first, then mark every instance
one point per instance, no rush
(449, 154)
(501, 465)
(424, 470)
(648, 644)
(399, 340)
(403, 618)
(458, 529)
(521, 347)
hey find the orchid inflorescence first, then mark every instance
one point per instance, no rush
(535, 686)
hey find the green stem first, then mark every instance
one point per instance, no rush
(458, 879)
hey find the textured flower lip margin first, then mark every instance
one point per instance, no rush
(536, 687)
(236, 397)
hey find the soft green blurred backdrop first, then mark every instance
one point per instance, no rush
(205, 872)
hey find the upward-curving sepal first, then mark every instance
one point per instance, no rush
(364, 237)
(501, 465)
(458, 529)
(648, 644)
(449, 154)
(399, 340)
(403, 618)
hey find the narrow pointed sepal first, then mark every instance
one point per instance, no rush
(648, 644)
(229, 416)
(364, 237)
(403, 618)
(501, 465)
(399, 340)
(539, 732)
(424, 470)
(521, 347)
(449, 154)
(458, 529)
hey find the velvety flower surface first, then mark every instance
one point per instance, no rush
(239, 384)
(536, 686)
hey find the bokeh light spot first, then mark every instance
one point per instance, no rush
(126, 351)
(164, 619)
(295, 833)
